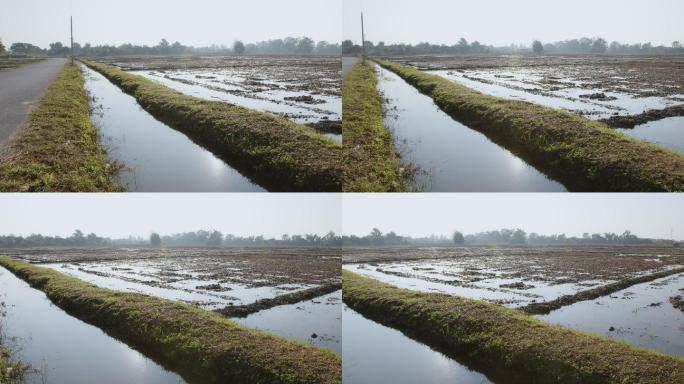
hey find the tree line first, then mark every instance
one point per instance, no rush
(288, 45)
(584, 45)
(504, 236)
(376, 237)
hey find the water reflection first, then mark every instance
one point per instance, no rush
(668, 133)
(65, 349)
(321, 317)
(156, 157)
(641, 315)
(455, 157)
(373, 353)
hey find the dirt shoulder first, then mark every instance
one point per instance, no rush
(506, 341)
(60, 150)
(201, 345)
(372, 162)
(582, 154)
(277, 153)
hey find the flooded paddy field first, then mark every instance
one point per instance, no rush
(641, 314)
(127, 131)
(304, 89)
(38, 334)
(597, 87)
(451, 156)
(216, 278)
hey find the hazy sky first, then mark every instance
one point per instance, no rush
(196, 22)
(120, 215)
(648, 215)
(501, 22)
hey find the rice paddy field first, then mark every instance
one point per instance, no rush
(610, 88)
(642, 286)
(212, 279)
(304, 89)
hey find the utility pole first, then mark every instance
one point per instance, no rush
(363, 41)
(71, 21)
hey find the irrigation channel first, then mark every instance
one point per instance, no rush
(640, 315)
(451, 156)
(155, 157)
(62, 349)
(373, 353)
(216, 86)
(315, 321)
(517, 85)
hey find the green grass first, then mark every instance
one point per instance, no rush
(10, 373)
(372, 163)
(594, 293)
(201, 345)
(514, 345)
(274, 151)
(60, 150)
(582, 154)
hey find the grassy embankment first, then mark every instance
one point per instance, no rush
(594, 293)
(288, 298)
(201, 345)
(372, 162)
(274, 151)
(505, 341)
(60, 149)
(582, 154)
(10, 373)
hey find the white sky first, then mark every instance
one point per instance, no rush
(196, 22)
(502, 22)
(120, 215)
(647, 215)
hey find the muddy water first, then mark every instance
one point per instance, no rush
(65, 349)
(526, 85)
(141, 279)
(454, 157)
(321, 317)
(195, 83)
(641, 315)
(668, 133)
(156, 158)
(444, 278)
(373, 353)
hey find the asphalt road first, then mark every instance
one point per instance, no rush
(20, 89)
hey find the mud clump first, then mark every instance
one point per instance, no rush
(213, 287)
(598, 96)
(517, 285)
(327, 126)
(306, 99)
(632, 121)
(677, 302)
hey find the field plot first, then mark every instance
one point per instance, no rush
(218, 279)
(624, 91)
(639, 313)
(304, 89)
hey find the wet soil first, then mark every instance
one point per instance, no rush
(643, 118)
(289, 298)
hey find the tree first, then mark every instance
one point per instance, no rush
(347, 47)
(599, 45)
(164, 47)
(305, 45)
(215, 239)
(238, 47)
(2, 47)
(457, 237)
(537, 47)
(155, 239)
(675, 44)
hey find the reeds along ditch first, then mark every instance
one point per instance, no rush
(507, 341)
(200, 345)
(582, 154)
(372, 163)
(272, 150)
